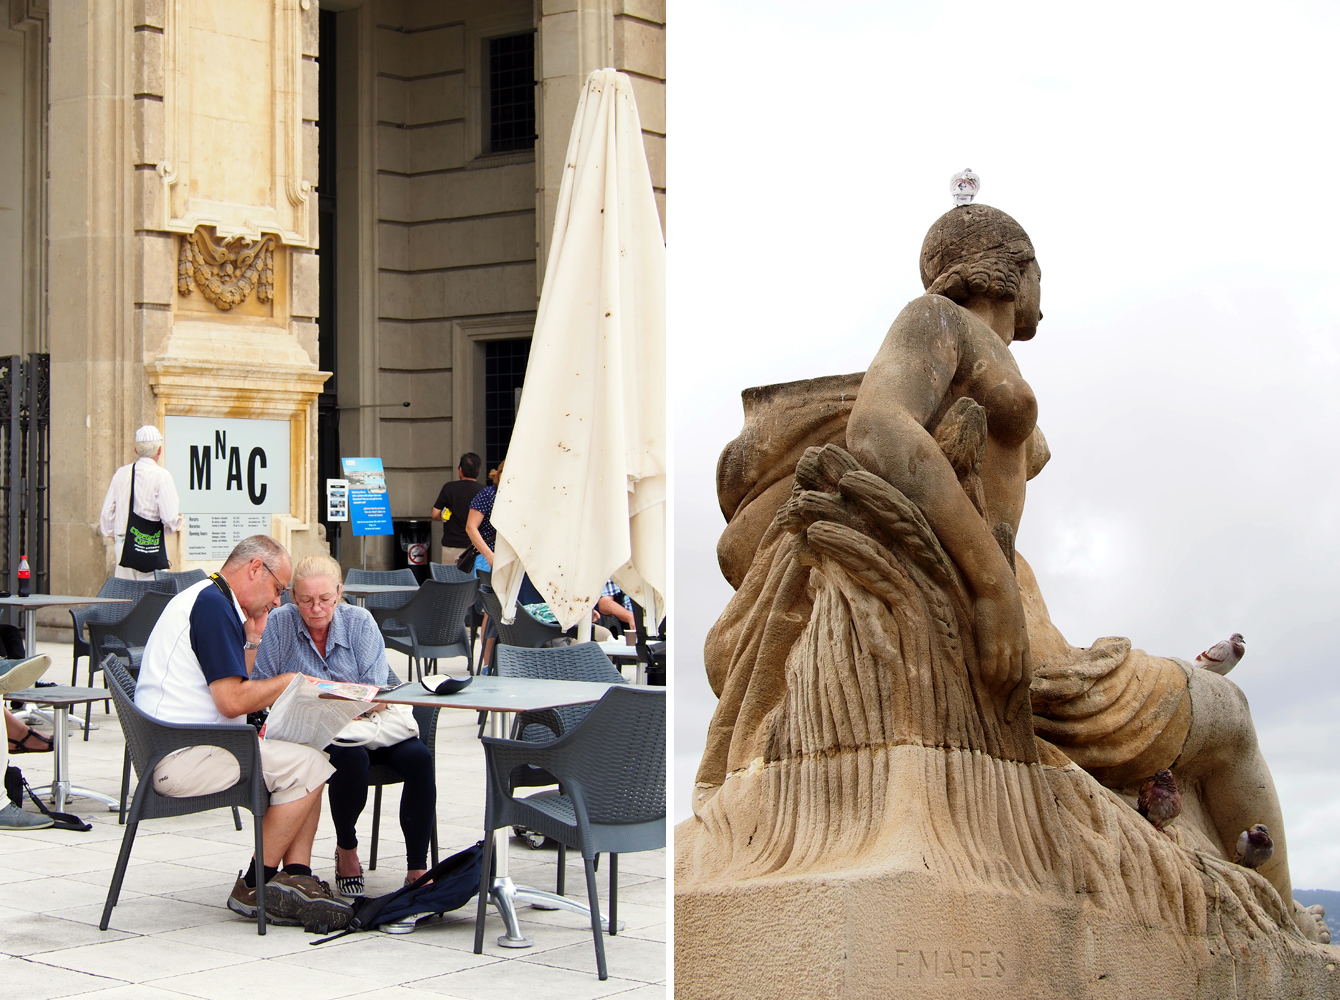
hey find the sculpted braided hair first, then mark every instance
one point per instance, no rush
(975, 250)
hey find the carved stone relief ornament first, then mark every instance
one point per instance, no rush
(226, 271)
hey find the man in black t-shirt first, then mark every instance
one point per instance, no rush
(453, 505)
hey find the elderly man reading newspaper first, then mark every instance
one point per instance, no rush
(196, 669)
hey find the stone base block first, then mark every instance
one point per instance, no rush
(886, 935)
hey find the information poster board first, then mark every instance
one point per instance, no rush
(211, 537)
(226, 465)
(369, 503)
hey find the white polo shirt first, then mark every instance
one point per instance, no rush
(198, 640)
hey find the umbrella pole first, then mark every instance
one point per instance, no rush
(584, 630)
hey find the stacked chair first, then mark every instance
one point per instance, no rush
(384, 602)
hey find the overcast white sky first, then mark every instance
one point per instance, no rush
(1173, 166)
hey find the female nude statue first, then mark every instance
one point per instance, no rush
(984, 294)
(804, 611)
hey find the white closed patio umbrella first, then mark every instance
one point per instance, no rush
(583, 494)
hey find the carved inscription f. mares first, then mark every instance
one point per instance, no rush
(925, 963)
(226, 271)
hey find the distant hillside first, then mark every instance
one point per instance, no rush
(1328, 898)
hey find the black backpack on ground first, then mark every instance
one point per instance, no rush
(448, 885)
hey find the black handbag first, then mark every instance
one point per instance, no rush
(144, 549)
(466, 561)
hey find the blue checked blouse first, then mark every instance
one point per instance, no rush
(354, 647)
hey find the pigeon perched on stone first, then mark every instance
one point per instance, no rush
(1223, 656)
(1160, 802)
(1255, 847)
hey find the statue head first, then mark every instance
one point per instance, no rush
(975, 250)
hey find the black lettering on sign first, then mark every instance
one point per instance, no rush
(257, 455)
(220, 444)
(234, 469)
(200, 466)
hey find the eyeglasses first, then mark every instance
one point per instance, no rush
(308, 603)
(283, 587)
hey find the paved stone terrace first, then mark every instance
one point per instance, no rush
(171, 936)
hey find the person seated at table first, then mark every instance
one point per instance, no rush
(198, 670)
(614, 603)
(24, 738)
(320, 635)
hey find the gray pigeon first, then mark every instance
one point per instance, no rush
(1255, 847)
(1223, 656)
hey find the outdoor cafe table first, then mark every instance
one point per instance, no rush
(361, 591)
(501, 697)
(61, 698)
(28, 620)
(621, 655)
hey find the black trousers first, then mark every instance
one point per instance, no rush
(348, 793)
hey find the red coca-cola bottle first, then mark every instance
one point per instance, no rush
(25, 575)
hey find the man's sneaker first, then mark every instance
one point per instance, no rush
(15, 675)
(307, 900)
(14, 818)
(243, 901)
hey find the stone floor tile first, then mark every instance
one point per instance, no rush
(45, 982)
(149, 914)
(151, 845)
(656, 992)
(656, 932)
(46, 895)
(64, 861)
(525, 979)
(268, 978)
(140, 959)
(238, 936)
(33, 933)
(625, 957)
(633, 916)
(160, 879)
(132, 991)
(385, 958)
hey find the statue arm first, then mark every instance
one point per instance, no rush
(903, 389)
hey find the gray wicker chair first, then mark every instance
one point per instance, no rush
(443, 573)
(526, 631)
(125, 637)
(584, 661)
(380, 602)
(182, 580)
(148, 741)
(113, 587)
(128, 689)
(612, 772)
(474, 618)
(434, 618)
(385, 774)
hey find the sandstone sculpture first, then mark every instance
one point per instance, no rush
(876, 814)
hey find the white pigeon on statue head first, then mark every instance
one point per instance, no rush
(1223, 656)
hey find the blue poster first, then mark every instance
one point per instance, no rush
(369, 503)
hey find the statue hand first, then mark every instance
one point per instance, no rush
(1004, 665)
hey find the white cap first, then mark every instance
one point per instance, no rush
(147, 433)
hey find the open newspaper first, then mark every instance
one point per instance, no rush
(311, 710)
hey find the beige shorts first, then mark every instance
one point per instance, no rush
(450, 555)
(291, 771)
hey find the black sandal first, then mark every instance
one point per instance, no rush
(44, 744)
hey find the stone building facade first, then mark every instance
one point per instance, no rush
(281, 220)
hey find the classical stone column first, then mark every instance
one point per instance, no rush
(184, 281)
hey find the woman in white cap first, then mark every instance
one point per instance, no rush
(153, 512)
